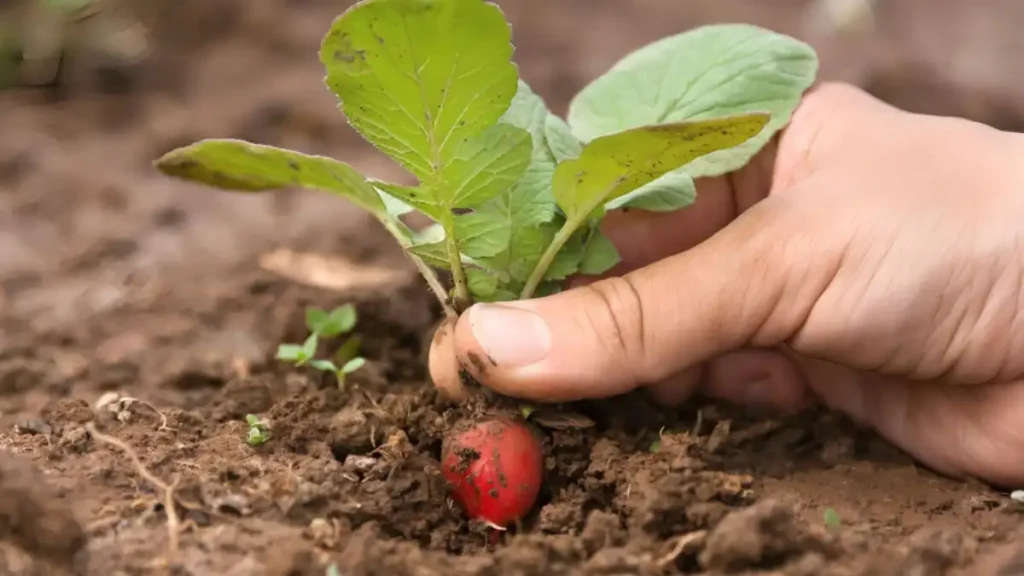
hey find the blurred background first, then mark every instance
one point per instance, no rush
(94, 90)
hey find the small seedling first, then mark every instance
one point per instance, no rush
(331, 324)
(655, 446)
(515, 193)
(259, 430)
(832, 520)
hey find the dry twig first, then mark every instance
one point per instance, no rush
(173, 523)
(684, 541)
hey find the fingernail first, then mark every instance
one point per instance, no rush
(511, 337)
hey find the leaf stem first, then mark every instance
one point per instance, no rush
(537, 276)
(427, 272)
(462, 298)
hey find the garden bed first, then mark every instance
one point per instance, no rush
(160, 299)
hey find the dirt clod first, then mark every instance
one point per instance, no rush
(34, 516)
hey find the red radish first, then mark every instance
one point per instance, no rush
(494, 469)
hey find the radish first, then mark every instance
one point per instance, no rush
(494, 469)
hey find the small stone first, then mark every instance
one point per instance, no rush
(33, 426)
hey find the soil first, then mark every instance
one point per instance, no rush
(146, 310)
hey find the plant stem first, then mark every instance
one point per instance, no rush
(427, 272)
(462, 298)
(537, 276)
(435, 285)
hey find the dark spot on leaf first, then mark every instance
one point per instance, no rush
(294, 165)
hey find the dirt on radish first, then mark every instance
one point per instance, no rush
(151, 310)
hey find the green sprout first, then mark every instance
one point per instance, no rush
(322, 324)
(655, 446)
(832, 520)
(259, 430)
(515, 193)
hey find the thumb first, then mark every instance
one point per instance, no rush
(617, 334)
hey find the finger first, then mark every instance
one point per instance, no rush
(957, 431)
(620, 333)
(755, 377)
(676, 389)
(643, 237)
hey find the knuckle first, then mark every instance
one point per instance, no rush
(617, 322)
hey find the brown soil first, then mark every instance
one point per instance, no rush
(113, 279)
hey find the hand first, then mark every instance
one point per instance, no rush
(871, 258)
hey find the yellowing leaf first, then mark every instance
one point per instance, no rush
(241, 166)
(612, 166)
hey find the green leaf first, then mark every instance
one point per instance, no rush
(477, 235)
(418, 78)
(245, 167)
(429, 245)
(561, 141)
(568, 259)
(400, 200)
(257, 437)
(309, 348)
(481, 234)
(525, 210)
(599, 256)
(707, 72)
(832, 519)
(314, 318)
(586, 252)
(482, 284)
(289, 352)
(337, 321)
(527, 246)
(348, 350)
(324, 365)
(484, 166)
(548, 288)
(671, 192)
(393, 205)
(612, 166)
(353, 365)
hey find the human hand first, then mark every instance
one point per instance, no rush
(870, 257)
